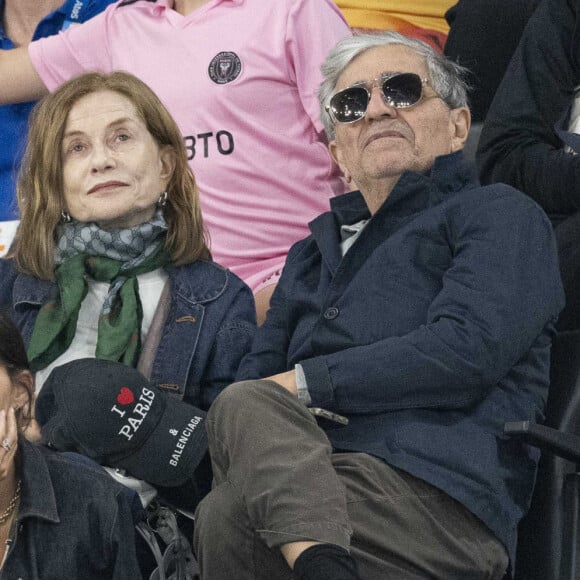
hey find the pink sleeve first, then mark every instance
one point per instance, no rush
(314, 28)
(80, 48)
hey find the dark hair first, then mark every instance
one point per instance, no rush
(14, 359)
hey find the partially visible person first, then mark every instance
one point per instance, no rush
(240, 79)
(21, 22)
(423, 20)
(529, 137)
(483, 36)
(58, 517)
(110, 260)
(421, 309)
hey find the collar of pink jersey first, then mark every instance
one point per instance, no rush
(169, 3)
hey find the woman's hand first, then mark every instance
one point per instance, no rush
(32, 430)
(8, 441)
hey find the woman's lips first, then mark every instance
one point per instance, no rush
(106, 185)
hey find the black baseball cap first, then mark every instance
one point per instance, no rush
(113, 414)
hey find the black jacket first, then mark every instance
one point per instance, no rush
(520, 143)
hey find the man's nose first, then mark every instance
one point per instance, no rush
(377, 106)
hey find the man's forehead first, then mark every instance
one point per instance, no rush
(381, 59)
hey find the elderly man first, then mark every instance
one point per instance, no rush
(421, 309)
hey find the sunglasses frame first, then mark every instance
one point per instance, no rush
(368, 87)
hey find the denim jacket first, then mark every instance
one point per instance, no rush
(432, 331)
(208, 329)
(73, 521)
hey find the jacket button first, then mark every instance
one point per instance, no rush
(331, 313)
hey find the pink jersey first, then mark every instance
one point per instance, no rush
(240, 78)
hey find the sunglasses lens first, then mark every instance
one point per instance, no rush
(403, 90)
(349, 105)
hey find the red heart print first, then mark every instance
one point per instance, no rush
(125, 396)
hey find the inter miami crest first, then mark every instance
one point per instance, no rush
(224, 67)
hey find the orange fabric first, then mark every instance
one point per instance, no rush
(390, 14)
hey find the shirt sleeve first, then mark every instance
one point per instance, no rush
(80, 48)
(302, 385)
(314, 28)
(501, 293)
(519, 144)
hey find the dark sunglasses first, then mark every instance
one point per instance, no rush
(399, 90)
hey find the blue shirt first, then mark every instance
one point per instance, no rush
(14, 118)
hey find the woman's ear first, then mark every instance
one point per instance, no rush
(167, 159)
(23, 389)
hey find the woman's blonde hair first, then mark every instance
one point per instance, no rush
(40, 183)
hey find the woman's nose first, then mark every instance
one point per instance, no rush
(102, 157)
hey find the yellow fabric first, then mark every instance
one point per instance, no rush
(396, 14)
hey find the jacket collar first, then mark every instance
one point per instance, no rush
(198, 283)
(31, 290)
(413, 193)
(37, 497)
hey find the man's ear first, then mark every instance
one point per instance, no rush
(336, 154)
(460, 123)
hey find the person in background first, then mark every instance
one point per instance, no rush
(420, 310)
(423, 20)
(240, 79)
(483, 36)
(58, 517)
(21, 22)
(531, 135)
(110, 260)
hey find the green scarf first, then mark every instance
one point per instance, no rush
(119, 327)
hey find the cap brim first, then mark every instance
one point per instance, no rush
(174, 448)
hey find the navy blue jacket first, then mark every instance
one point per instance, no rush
(430, 333)
(74, 521)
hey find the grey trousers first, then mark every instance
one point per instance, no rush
(276, 481)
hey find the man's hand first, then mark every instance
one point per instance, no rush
(286, 380)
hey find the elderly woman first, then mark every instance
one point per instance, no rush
(247, 110)
(42, 512)
(110, 258)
